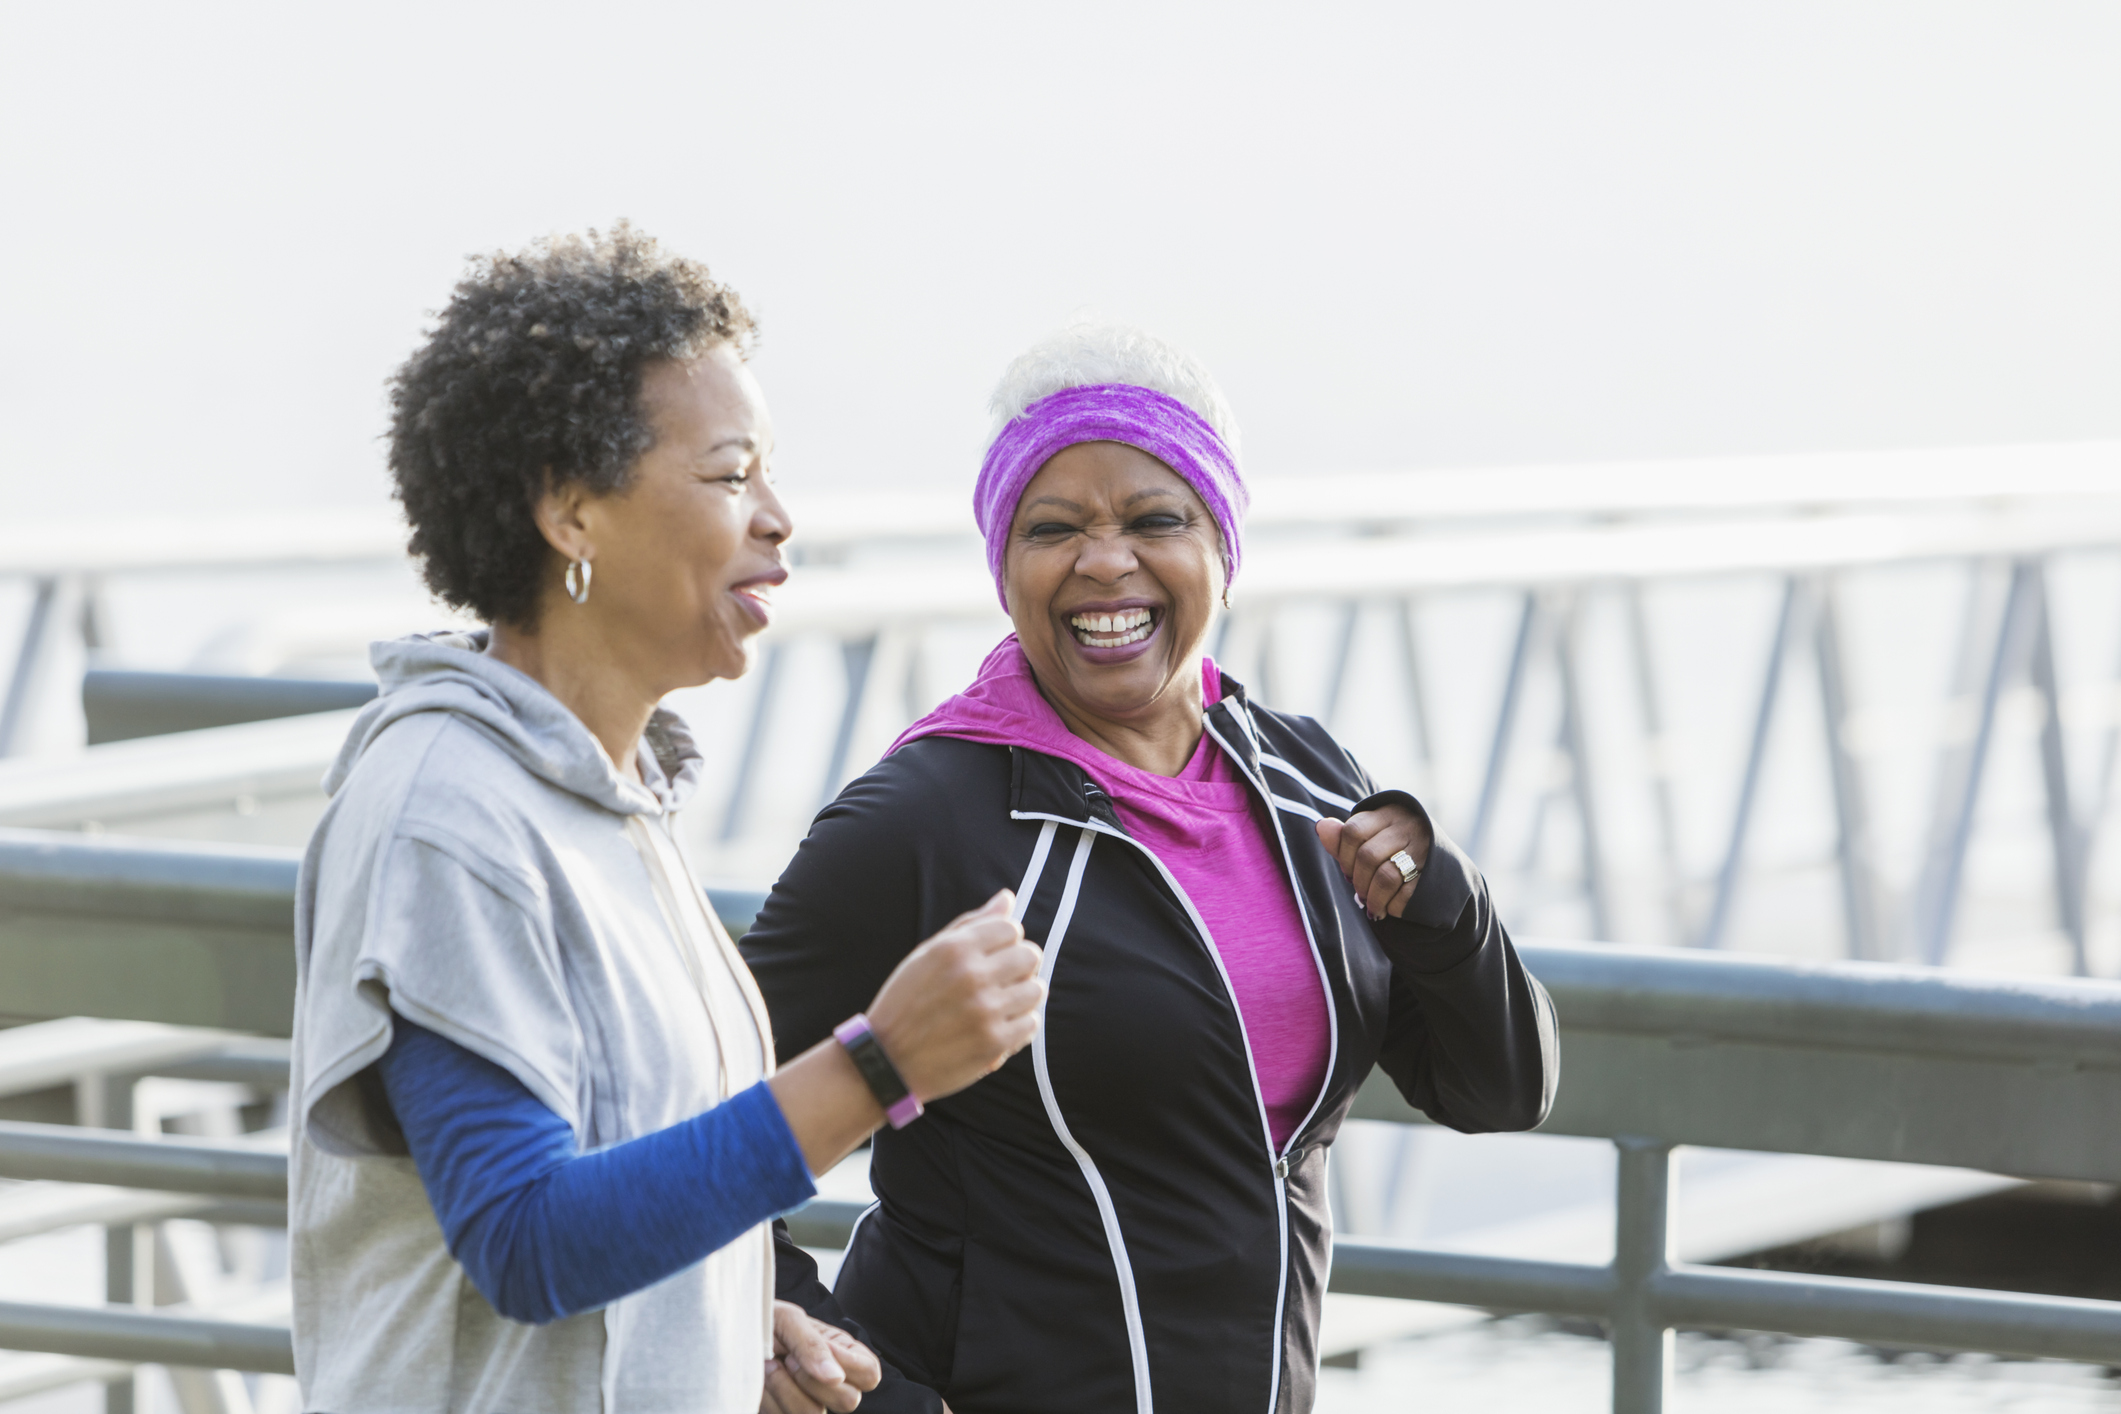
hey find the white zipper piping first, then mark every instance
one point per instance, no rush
(1281, 1192)
(860, 1218)
(1325, 984)
(1123, 1267)
(1296, 807)
(1320, 792)
(1029, 886)
(1296, 887)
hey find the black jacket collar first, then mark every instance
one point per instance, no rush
(1050, 787)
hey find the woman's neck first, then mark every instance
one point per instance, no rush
(1160, 740)
(598, 691)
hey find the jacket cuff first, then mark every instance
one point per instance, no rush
(1436, 932)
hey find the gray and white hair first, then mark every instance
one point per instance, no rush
(1089, 352)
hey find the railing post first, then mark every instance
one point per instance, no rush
(1505, 723)
(1936, 897)
(857, 654)
(1575, 741)
(2070, 857)
(1859, 876)
(1343, 651)
(106, 1102)
(1793, 605)
(18, 703)
(739, 802)
(1642, 1343)
(1660, 755)
(1418, 699)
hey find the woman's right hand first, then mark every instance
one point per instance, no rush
(961, 1003)
(957, 1007)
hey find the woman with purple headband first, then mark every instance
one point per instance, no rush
(1236, 925)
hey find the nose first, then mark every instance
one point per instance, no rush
(1106, 558)
(770, 520)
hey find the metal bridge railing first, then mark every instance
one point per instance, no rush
(1660, 1049)
(1579, 734)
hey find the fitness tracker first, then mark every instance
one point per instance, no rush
(901, 1106)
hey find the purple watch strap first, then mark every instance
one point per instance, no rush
(901, 1106)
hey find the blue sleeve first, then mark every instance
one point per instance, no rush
(544, 1231)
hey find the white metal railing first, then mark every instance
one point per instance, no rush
(1344, 560)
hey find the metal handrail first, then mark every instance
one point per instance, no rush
(123, 1333)
(222, 1168)
(1687, 1294)
(112, 875)
(1870, 1007)
(1810, 481)
(2004, 1074)
(184, 771)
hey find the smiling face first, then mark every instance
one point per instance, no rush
(1112, 572)
(686, 557)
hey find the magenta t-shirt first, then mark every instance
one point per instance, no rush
(1203, 826)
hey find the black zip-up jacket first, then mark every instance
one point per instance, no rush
(1101, 1224)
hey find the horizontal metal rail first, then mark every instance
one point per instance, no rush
(122, 705)
(196, 770)
(849, 601)
(832, 520)
(1721, 1298)
(196, 935)
(113, 876)
(122, 1333)
(61, 1051)
(1890, 1313)
(1878, 1007)
(229, 1169)
(1681, 1294)
(2004, 1074)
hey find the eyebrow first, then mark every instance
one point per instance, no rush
(747, 442)
(1152, 493)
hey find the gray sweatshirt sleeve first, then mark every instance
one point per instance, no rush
(443, 936)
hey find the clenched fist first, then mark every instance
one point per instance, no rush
(1365, 843)
(961, 1003)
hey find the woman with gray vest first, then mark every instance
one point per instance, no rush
(540, 1127)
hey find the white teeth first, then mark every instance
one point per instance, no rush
(1111, 623)
(1112, 630)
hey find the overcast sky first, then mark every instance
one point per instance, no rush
(1402, 235)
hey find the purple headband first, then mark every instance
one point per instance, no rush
(1143, 418)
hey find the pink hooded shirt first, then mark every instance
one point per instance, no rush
(1201, 824)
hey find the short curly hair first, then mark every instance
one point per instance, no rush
(532, 377)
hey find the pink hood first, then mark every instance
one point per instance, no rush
(1003, 707)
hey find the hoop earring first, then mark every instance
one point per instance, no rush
(578, 586)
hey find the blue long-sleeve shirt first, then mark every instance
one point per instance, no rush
(545, 1231)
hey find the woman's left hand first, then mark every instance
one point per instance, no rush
(817, 1366)
(1365, 843)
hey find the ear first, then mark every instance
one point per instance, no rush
(558, 511)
